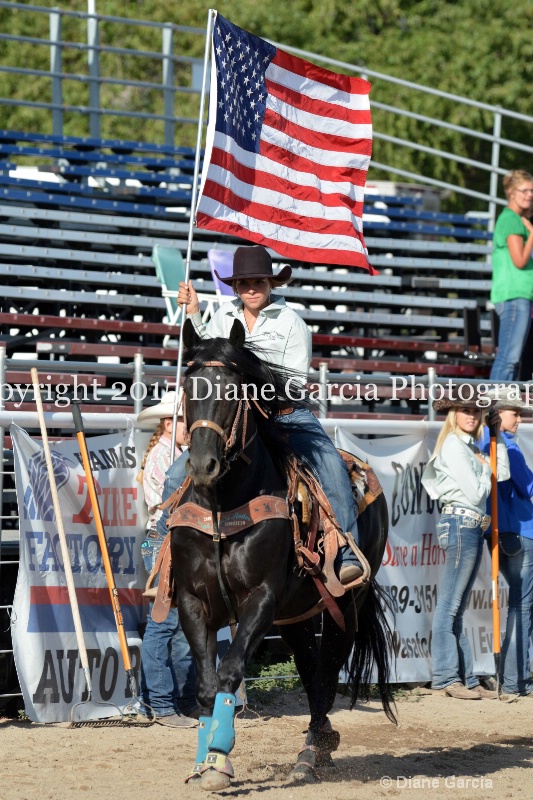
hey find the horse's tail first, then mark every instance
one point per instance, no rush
(372, 649)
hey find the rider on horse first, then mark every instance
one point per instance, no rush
(285, 340)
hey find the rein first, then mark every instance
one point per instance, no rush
(217, 542)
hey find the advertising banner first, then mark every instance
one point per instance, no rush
(44, 642)
(413, 562)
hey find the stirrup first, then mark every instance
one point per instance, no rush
(349, 573)
(364, 575)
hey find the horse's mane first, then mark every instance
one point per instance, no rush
(253, 370)
(258, 373)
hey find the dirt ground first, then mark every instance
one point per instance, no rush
(442, 748)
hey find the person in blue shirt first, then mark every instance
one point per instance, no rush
(515, 524)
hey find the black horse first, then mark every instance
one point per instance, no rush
(234, 456)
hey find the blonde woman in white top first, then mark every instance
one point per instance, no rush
(459, 476)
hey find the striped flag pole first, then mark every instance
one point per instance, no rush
(208, 36)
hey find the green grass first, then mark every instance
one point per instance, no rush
(282, 675)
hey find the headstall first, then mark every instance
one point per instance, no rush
(242, 412)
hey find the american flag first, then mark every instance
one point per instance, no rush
(287, 152)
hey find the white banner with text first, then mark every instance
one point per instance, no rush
(44, 642)
(413, 561)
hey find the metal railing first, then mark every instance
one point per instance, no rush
(139, 372)
(93, 78)
(168, 59)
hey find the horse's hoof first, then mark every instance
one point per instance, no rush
(213, 781)
(302, 773)
(325, 761)
(217, 772)
(195, 774)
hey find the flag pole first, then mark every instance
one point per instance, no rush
(496, 635)
(208, 37)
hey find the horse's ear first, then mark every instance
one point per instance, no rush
(237, 334)
(190, 337)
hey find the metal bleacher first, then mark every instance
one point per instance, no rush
(81, 215)
(61, 262)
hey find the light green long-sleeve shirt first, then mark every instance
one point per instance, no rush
(279, 331)
(455, 476)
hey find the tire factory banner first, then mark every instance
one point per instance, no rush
(44, 643)
(413, 562)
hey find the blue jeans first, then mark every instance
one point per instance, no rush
(461, 538)
(516, 564)
(175, 476)
(515, 320)
(307, 438)
(167, 668)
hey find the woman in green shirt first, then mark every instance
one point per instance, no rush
(512, 274)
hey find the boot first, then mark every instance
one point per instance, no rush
(459, 691)
(350, 568)
(349, 573)
(485, 694)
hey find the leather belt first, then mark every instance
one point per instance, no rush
(285, 411)
(482, 519)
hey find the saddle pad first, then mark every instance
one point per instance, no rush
(260, 508)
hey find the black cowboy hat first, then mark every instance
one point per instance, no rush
(254, 262)
(473, 397)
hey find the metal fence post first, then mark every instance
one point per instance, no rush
(432, 375)
(138, 376)
(197, 76)
(323, 389)
(94, 69)
(495, 162)
(168, 83)
(56, 69)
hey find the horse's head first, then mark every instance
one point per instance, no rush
(216, 409)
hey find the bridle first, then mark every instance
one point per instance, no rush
(243, 408)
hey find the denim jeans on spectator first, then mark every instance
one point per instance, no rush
(516, 564)
(308, 438)
(515, 320)
(461, 538)
(167, 667)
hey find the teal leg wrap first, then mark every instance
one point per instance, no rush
(203, 730)
(221, 737)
